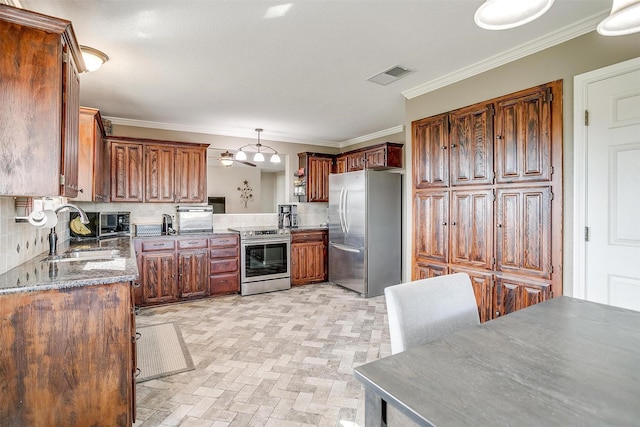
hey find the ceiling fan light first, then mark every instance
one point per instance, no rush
(226, 162)
(624, 19)
(505, 14)
(241, 155)
(258, 157)
(275, 158)
(93, 58)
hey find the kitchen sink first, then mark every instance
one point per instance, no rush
(84, 255)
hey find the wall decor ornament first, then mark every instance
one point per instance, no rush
(245, 193)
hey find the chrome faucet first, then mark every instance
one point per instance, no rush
(53, 237)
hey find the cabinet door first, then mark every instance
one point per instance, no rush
(483, 284)
(193, 277)
(126, 172)
(472, 145)
(472, 228)
(431, 152)
(514, 294)
(523, 231)
(191, 175)
(431, 226)
(71, 124)
(100, 162)
(159, 174)
(523, 137)
(318, 178)
(341, 164)
(308, 263)
(376, 158)
(355, 161)
(91, 158)
(159, 278)
(427, 270)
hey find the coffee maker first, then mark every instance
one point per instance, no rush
(287, 216)
(167, 224)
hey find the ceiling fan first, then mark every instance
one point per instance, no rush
(227, 160)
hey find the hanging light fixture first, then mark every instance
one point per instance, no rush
(226, 159)
(93, 58)
(624, 19)
(505, 14)
(258, 156)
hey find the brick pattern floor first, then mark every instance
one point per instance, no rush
(277, 359)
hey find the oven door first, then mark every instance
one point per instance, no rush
(265, 259)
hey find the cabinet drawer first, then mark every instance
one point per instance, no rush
(223, 266)
(307, 236)
(158, 245)
(224, 283)
(229, 252)
(192, 244)
(225, 240)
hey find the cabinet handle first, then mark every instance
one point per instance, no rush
(453, 223)
(136, 284)
(453, 145)
(444, 147)
(136, 310)
(497, 314)
(81, 191)
(444, 223)
(138, 335)
(137, 373)
(499, 225)
(498, 136)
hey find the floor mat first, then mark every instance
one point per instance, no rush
(161, 352)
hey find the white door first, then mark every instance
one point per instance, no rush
(612, 190)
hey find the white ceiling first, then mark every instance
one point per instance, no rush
(222, 67)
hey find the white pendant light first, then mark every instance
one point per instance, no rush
(93, 58)
(258, 156)
(624, 19)
(505, 14)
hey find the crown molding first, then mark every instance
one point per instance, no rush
(567, 33)
(369, 137)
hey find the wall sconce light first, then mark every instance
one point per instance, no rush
(505, 14)
(624, 19)
(93, 58)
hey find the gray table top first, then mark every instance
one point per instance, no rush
(562, 362)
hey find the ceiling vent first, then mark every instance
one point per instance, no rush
(390, 75)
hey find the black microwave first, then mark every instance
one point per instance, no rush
(102, 225)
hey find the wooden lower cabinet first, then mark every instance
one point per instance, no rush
(308, 257)
(177, 268)
(224, 264)
(425, 270)
(483, 288)
(67, 357)
(515, 293)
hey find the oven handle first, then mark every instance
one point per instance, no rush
(261, 241)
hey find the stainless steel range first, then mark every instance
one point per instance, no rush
(264, 258)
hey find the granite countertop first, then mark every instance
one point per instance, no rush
(36, 275)
(309, 227)
(215, 231)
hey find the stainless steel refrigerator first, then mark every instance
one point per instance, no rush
(365, 230)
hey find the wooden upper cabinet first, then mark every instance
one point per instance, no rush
(383, 156)
(92, 161)
(471, 144)
(431, 225)
(355, 161)
(523, 231)
(341, 164)
(472, 228)
(126, 172)
(431, 152)
(523, 136)
(159, 173)
(317, 168)
(191, 175)
(39, 103)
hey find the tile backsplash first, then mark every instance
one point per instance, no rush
(20, 242)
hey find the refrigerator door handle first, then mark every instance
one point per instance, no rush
(340, 208)
(345, 248)
(345, 210)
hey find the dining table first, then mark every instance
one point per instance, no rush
(561, 362)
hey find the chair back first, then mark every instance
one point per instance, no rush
(427, 309)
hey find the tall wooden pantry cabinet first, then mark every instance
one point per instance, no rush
(487, 198)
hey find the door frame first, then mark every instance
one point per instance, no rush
(581, 84)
